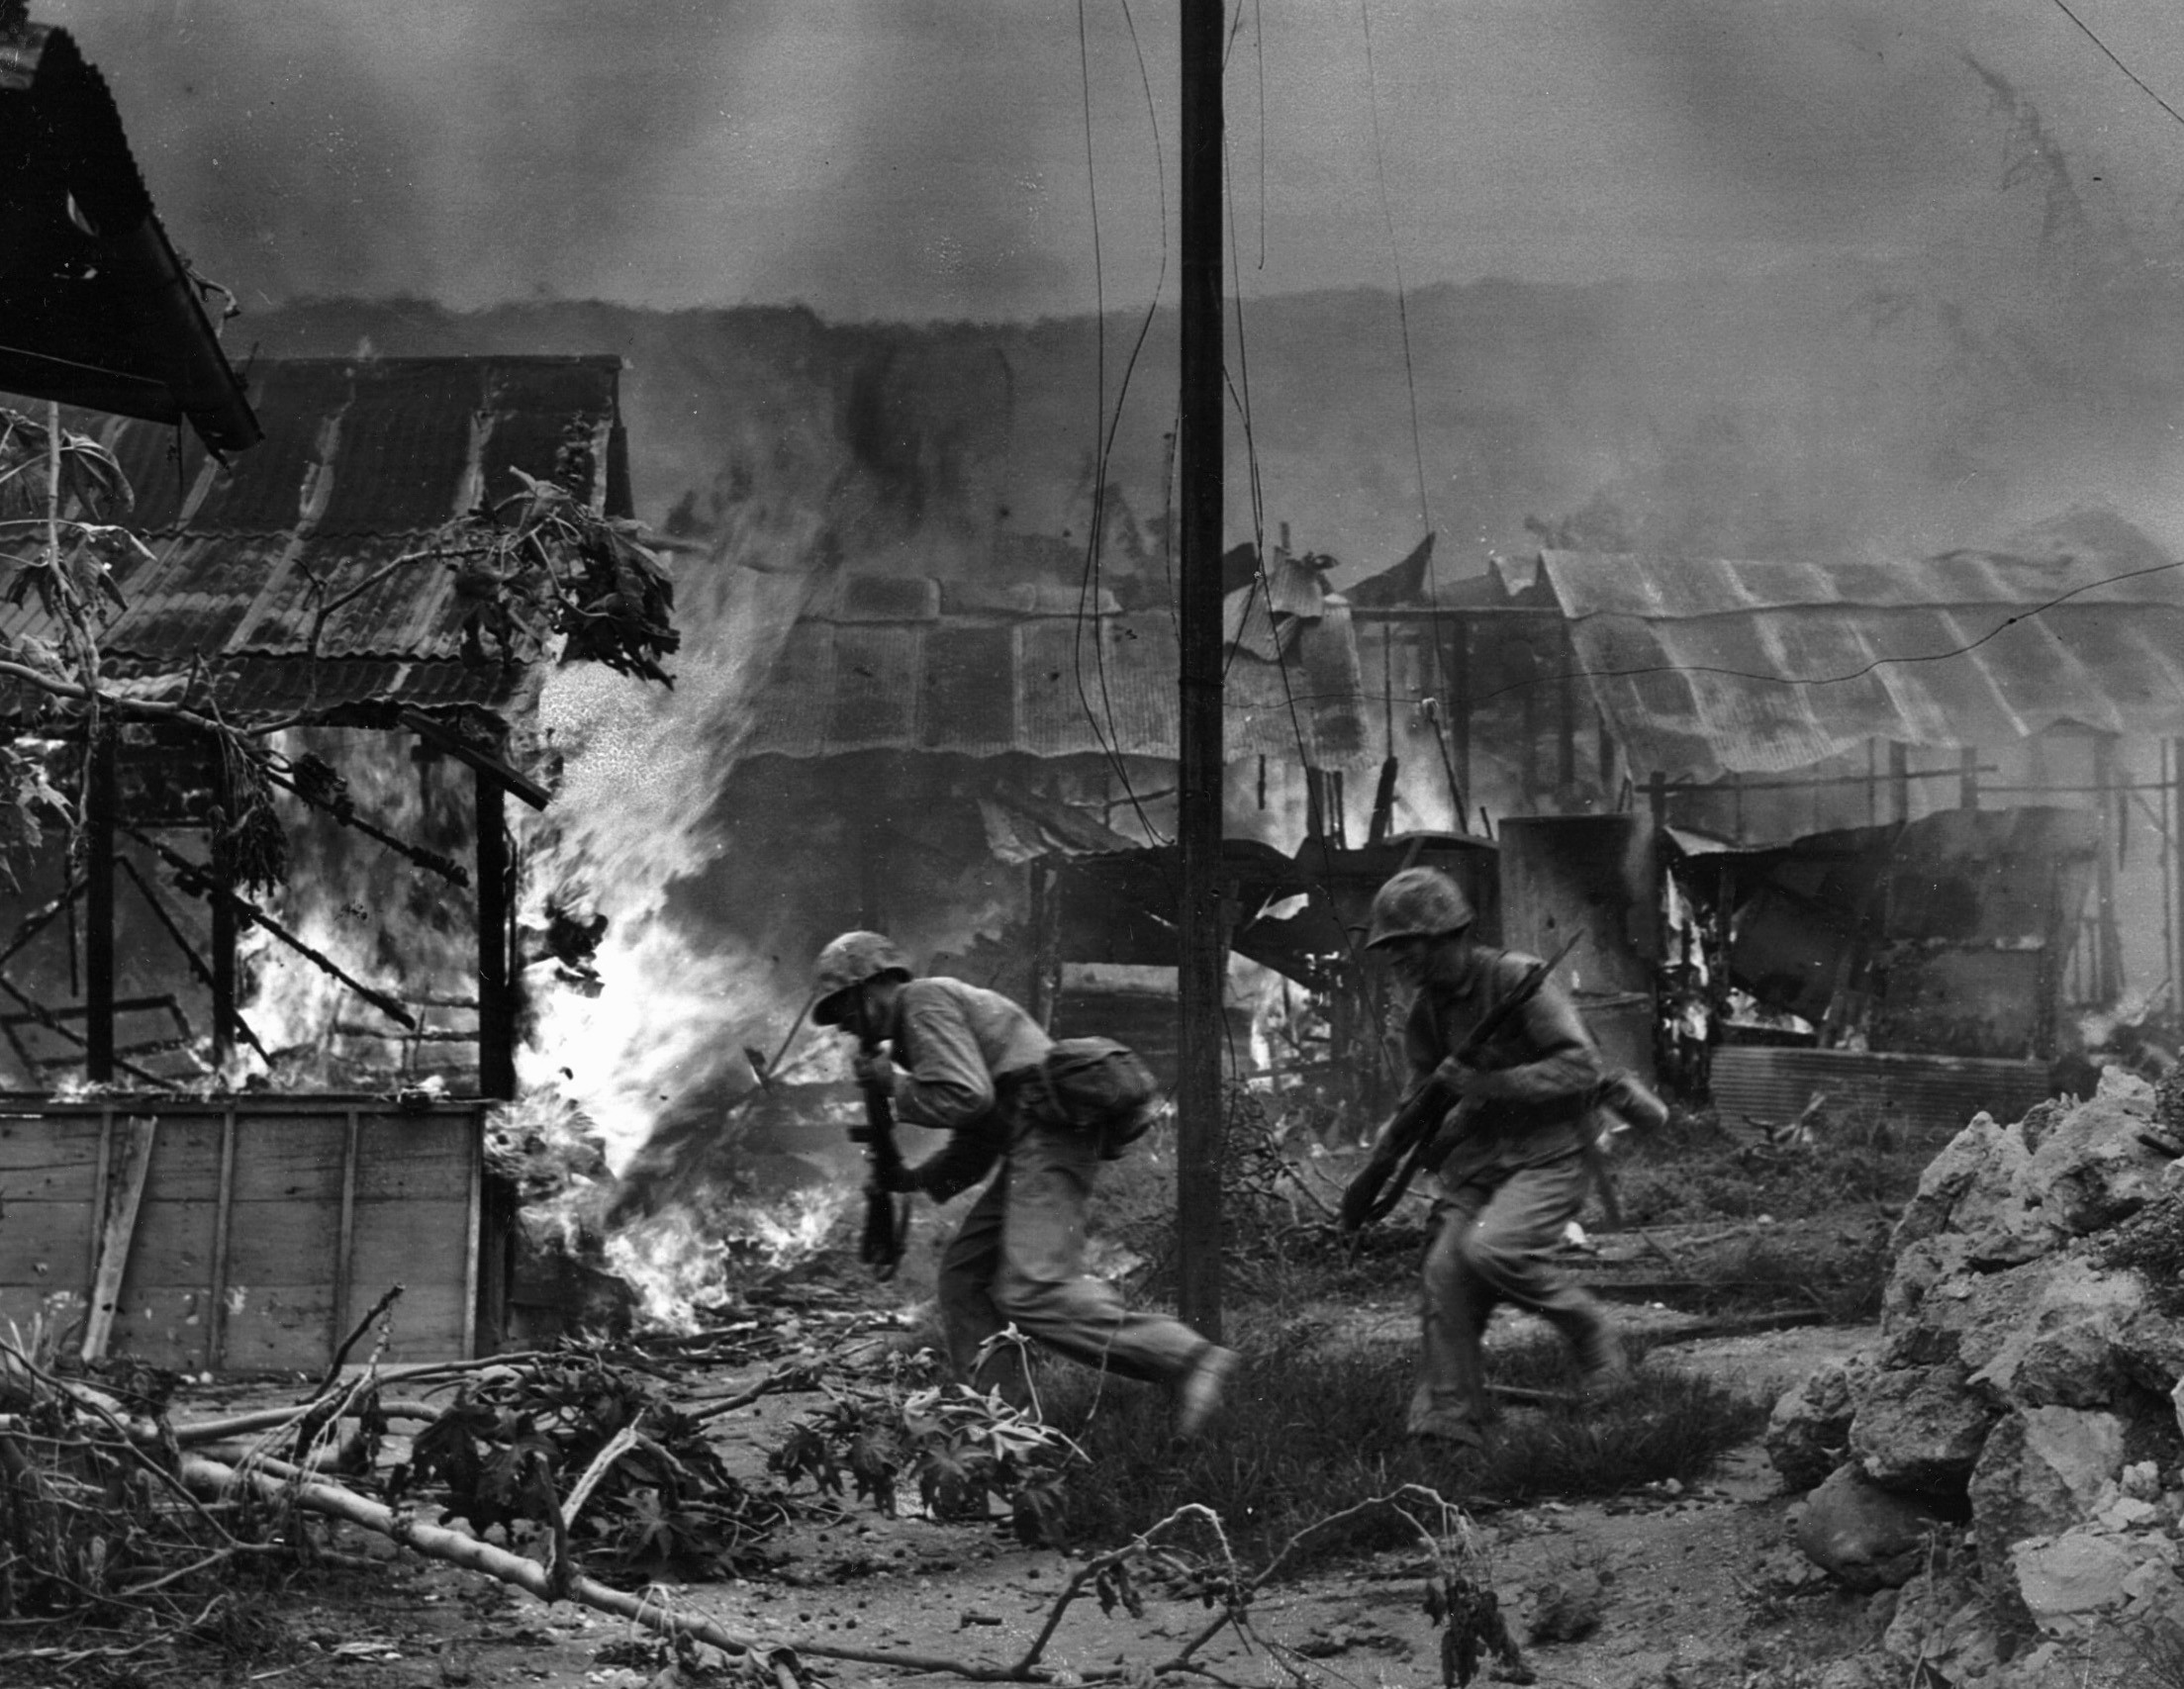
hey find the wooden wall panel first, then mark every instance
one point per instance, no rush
(412, 1160)
(47, 1161)
(173, 1243)
(46, 1244)
(290, 1161)
(278, 1326)
(185, 1159)
(164, 1324)
(258, 1244)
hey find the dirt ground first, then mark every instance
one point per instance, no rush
(1696, 1588)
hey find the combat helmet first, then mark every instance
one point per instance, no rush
(847, 963)
(1418, 902)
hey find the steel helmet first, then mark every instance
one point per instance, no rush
(1418, 902)
(847, 963)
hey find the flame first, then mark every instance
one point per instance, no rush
(683, 1264)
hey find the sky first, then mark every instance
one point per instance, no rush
(927, 160)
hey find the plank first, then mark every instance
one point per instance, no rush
(223, 1214)
(278, 1243)
(123, 1199)
(32, 1145)
(32, 1311)
(404, 1160)
(174, 1244)
(277, 1327)
(41, 1244)
(288, 1161)
(163, 1323)
(186, 1168)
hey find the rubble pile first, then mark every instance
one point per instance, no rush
(2002, 1469)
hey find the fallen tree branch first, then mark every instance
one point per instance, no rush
(283, 1484)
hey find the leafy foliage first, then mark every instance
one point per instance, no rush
(545, 565)
(956, 1445)
(513, 1448)
(1469, 1617)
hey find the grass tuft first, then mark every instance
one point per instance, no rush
(1303, 1434)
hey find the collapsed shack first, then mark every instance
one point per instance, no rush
(242, 1113)
(1786, 717)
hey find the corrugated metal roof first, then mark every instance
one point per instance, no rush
(363, 461)
(1040, 681)
(1930, 1097)
(1703, 666)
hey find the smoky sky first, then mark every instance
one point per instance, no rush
(928, 158)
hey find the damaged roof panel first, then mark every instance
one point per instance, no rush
(1705, 667)
(1041, 685)
(364, 462)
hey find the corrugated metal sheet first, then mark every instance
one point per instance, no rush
(1040, 681)
(1929, 1097)
(363, 461)
(1704, 667)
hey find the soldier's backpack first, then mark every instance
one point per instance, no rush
(1096, 1087)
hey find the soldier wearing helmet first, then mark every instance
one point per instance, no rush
(963, 1059)
(1515, 1171)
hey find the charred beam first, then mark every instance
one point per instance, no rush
(483, 762)
(196, 880)
(496, 980)
(208, 977)
(97, 874)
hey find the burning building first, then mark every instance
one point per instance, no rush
(1903, 834)
(244, 1114)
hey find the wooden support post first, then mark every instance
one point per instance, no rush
(1201, 961)
(216, 1308)
(98, 955)
(496, 986)
(125, 1194)
(1656, 798)
(1528, 749)
(345, 1238)
(223, 958)
(1566, 704)
(2173, 810)
(1046, 942)
(1968, 777)
(2108, 977)
(1899, 778)
(1459, 716)
(475, 1293)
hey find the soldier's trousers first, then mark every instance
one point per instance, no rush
(1492, 1235)
(1018, 1258)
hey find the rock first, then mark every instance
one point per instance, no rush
(1975, 1159)
(2092, 1170)
(1810, 1428)
(1919, 1428)
(1567, 1608)
(2066, 1344)
(1867, 1536)
(1941, 1626)
(2079, 1572)
(2041, 1473)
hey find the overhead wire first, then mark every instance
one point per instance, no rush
(1089, 590)
(2105, 52)
(1439, 636)
(1965, 649)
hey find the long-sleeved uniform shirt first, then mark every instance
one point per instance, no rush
(957, 1047)
(1536, 1073)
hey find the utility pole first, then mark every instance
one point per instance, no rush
(1201, 961)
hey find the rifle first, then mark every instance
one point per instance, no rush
(1405, 1146)
(886, 1216)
